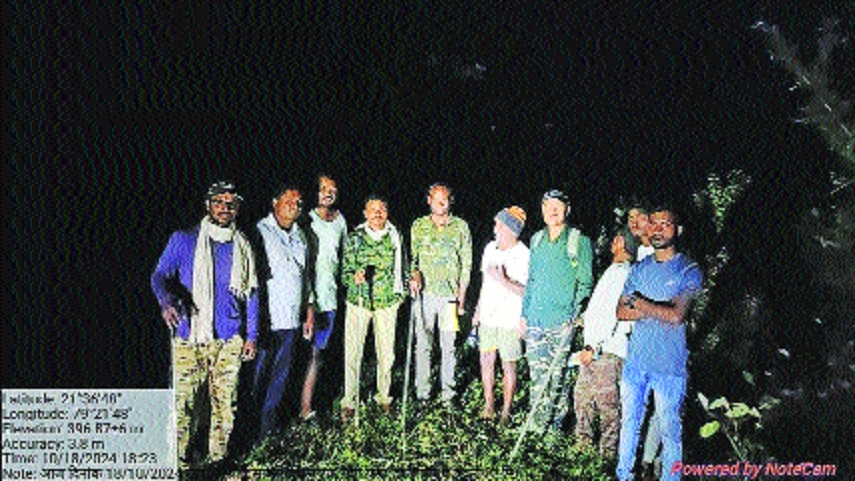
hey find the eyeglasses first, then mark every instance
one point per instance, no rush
(230, 205)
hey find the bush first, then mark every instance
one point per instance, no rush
(444, 442)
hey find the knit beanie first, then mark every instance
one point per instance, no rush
(513, 217)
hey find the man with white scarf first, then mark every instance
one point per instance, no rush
(206, 286)
(373, 275)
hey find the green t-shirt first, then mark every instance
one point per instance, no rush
(557, 284)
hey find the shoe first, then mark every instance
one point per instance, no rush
(488, 415)
(386, 408)
(347, 415)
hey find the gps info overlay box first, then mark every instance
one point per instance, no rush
(88, 434)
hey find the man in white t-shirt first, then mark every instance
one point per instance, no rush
(505, 270)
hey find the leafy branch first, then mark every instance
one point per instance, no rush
(826, 109)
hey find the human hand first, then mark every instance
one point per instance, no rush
(308, 328)
(359, 277)
(522, 327)
(497, 272)
(248, 351)
(415, 284)
(586, 357)
(171, 316)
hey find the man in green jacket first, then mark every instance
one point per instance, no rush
(373, 275)
(559, 279)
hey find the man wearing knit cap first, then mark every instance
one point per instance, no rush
(559, 279)
(441, 247)
(504, 266)
(601, 360)
(206, 286)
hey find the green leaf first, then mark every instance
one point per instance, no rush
(748, 377)
(754, 412)
(768, 402)
(710, 428)
(739, 410)
(720, 402)
(704, 401)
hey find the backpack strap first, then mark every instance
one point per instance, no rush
(536, 238)
(573, 243)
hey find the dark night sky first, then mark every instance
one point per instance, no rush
(118, 117)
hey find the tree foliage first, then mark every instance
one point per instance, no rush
(825, 109)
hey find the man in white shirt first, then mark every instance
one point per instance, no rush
(285, 294)
(601, 361)
(505, 270)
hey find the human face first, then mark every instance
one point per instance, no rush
(287, 208)
(504, 236)
(376, 214)
(327, 192)
(554, 212)
(637, 221)
(663, 231)
(223, 208)
(439, 201)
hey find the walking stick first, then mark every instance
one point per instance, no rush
(408, 364)
(565, 339)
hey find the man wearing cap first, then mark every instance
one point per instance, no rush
(328, 235)
(373, 273)
(559, 280)
(504, 266)
(285, 273)
(656, 297)
(441, 248)
(601, 360)
(206, 286)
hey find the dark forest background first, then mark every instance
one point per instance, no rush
(118, 117)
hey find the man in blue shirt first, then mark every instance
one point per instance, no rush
(205, 283)
(657, 296)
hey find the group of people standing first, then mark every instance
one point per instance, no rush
(230, 297)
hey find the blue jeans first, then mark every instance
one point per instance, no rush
(272, 368)
(668, 394)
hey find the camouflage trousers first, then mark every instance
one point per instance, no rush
(542, 347)
(216, 363)
(597, 392)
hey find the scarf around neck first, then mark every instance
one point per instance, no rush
(242, 283)
(396, 241)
